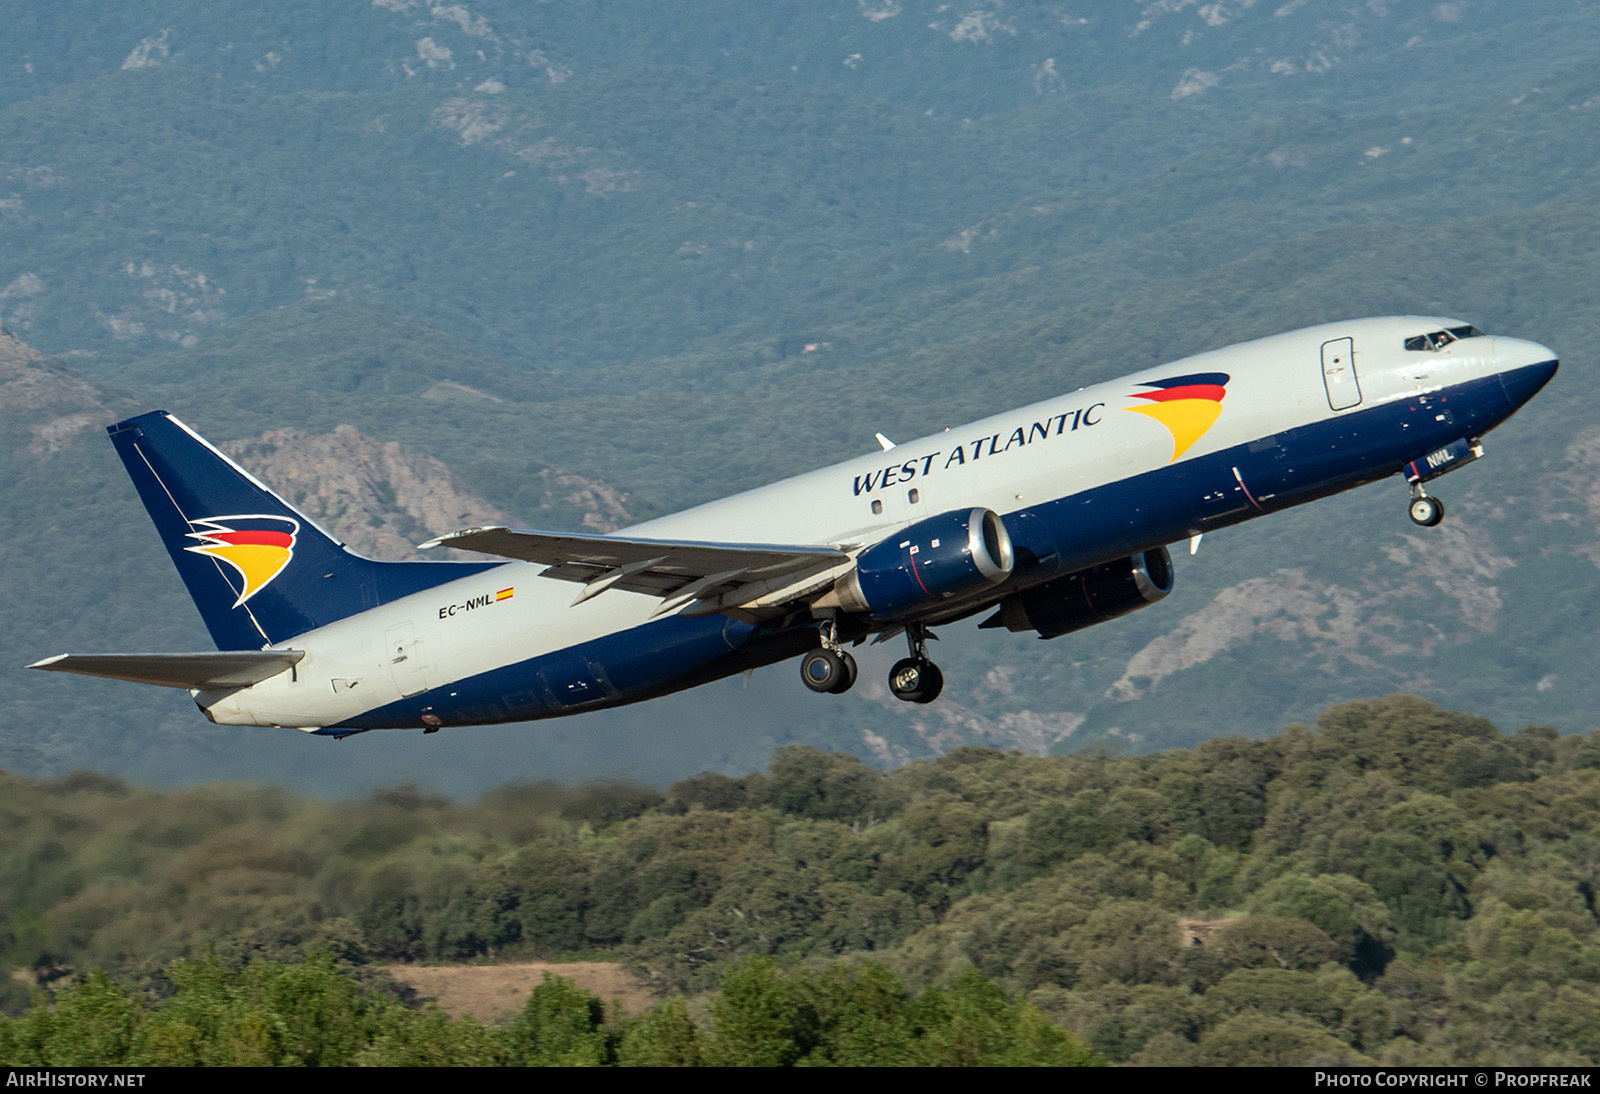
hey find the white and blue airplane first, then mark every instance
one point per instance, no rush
(1052, 517)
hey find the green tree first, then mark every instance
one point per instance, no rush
(1229, 802)
(561, 1026)
(1345, 908)
(944, 842)
(324, 1018)
(664, 1036)
(1253, 1039)
(826, 785)
(970, 1024)
(755, 1021)
(861, 1016)
(708, 790)
(431, 1038)
(306, 1013)
(92, 1023)
(1255, 942)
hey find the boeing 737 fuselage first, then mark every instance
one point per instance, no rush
(1051, 518)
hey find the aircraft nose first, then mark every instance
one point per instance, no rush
(1530, 368)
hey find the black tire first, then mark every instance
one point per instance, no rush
(848, 680)
(1427, 511)
(915, 681)
(823, 671)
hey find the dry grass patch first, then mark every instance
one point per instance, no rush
(485, 991)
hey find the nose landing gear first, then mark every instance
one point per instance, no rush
(1425, 510)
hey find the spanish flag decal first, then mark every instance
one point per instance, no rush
(504, 594)
(255, 546)
(1186, 405)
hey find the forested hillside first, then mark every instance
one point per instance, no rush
(1399, 883)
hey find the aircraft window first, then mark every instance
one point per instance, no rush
(913, 496)
(877, 508)
(1440, 338)
(1466, 332)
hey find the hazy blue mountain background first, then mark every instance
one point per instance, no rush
(584, 263)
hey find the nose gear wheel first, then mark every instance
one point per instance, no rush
(1425, 510)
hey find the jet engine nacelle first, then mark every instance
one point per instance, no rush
(929, 563)
(1089, 596)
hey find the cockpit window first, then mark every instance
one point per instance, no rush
(1441, 338)
(1437, 340)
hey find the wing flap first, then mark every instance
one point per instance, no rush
(211, 671)
(696, 577)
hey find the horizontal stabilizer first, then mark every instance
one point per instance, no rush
(715, 576)
(204, 671)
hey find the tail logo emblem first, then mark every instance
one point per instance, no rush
(1186, 405)
(256, 546)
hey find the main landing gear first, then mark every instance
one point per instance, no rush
(1426, 509)
(832, 671)
(915, 679)
(829, 670)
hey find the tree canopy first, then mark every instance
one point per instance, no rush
(1399, 883)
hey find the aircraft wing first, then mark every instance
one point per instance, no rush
(697, 578)
(213, 671)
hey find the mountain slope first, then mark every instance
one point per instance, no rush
(603, 262)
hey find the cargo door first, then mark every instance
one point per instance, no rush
(574, 682)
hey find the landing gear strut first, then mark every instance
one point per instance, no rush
(829, 670)
(1426, 509)
(915, 679)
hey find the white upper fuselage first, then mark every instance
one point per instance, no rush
(1052, 449)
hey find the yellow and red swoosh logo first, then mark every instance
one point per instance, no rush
(1186, 405)
(258, 547)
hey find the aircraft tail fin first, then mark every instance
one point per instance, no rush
(258, 570)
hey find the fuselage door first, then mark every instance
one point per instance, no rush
(1339, 373)
(405, 656)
